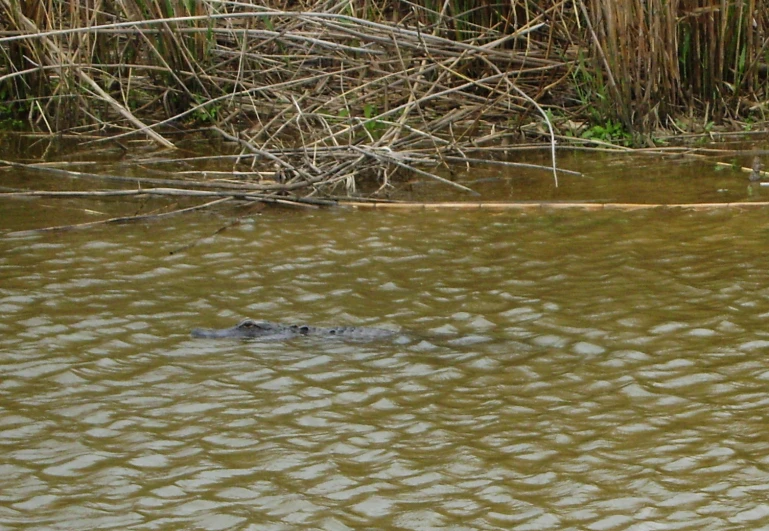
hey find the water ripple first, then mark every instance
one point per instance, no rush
(568, 371)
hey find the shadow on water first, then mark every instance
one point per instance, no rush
(561, 370)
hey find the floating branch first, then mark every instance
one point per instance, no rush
(123, 219)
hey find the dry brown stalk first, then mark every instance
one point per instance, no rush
(660, 57)
(54, 54)
(316, 97)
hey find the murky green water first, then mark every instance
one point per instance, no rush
(569, 370)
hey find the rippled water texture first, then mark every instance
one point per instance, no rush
(569, 370)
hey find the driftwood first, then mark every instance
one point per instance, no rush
(549, 205)
(370, 204)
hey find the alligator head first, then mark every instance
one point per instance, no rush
(246, 329)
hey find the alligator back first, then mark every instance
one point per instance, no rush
(266, 330)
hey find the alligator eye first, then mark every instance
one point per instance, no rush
(304, 329)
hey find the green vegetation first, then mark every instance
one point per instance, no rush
(10, 111)
(611, 132)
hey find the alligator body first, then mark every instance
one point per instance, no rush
(266, 330)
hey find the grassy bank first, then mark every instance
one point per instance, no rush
(321, 91)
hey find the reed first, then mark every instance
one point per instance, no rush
(665, 59)
(320, 92)
(316, 95)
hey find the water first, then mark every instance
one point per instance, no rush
(564, 370)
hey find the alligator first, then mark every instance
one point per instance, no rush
(266, 330)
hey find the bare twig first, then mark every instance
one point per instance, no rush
(123, 219)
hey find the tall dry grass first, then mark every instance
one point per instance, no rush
(312, 90)
(323, 90)
(173, 55)
(662, 59)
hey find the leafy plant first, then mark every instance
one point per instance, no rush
(11, 111)
(205, 113)
(374, 127)
(611, 131)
